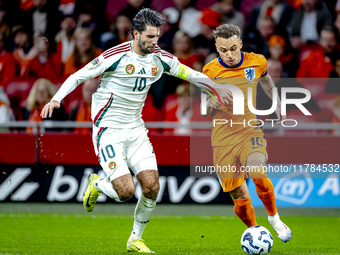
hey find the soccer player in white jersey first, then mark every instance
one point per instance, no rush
(119, 135)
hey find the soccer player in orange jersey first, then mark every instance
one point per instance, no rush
(239, 144)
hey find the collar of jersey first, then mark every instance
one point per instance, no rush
(137, 55)
(226, 66)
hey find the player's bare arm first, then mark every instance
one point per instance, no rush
(91, 70)
(268, 84)
(68, 86)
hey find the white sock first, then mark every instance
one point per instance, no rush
(102, 185)
(272, 218)
(276, 223)
(143, 213)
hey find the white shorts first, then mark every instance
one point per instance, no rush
(119, 149)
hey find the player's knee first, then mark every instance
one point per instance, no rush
(240, 192)
(257, 171)
(126, 193)
(151, 191)
(125, 196)
(256, 165)
(256, 159)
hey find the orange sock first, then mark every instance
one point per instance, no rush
(245, 211)
(265, 191)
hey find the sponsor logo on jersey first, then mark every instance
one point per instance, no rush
(250, 74)
(95, 62)
(112, 165)
(130, 69)
(153, 70)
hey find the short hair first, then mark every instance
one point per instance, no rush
(328, 29)
(226, 31)
(146, 17)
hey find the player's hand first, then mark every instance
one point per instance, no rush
(211, 103)
(48, 109)
(225, 95)
(279, 115)
(215, 103)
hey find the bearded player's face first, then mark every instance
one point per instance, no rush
(229, 50)
(147, 40)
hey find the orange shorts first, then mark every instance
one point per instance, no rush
(230, 160)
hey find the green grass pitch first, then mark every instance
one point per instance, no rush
(65, 233)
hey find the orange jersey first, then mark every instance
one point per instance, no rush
(244, 75)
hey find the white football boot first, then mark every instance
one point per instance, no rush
(282, 231)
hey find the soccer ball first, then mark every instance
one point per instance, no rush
(256, 240)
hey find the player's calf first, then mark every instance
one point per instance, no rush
(243, 208)
(148, 180)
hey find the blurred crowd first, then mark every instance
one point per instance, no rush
(42, 42)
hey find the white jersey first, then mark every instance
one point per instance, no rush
(126, 80)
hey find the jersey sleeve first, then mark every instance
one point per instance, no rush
(97, 66)
(93, 69)
(206, 70)
(170, 63)
(263, 65)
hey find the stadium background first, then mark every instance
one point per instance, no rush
(44, 164)
(53, 158)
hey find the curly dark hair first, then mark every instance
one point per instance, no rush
(146, 17)
(226, 31)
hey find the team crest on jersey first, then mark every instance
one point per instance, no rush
(130, 69)
(95, 62)
(153, 70)
(112, 165)
(249, 74)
